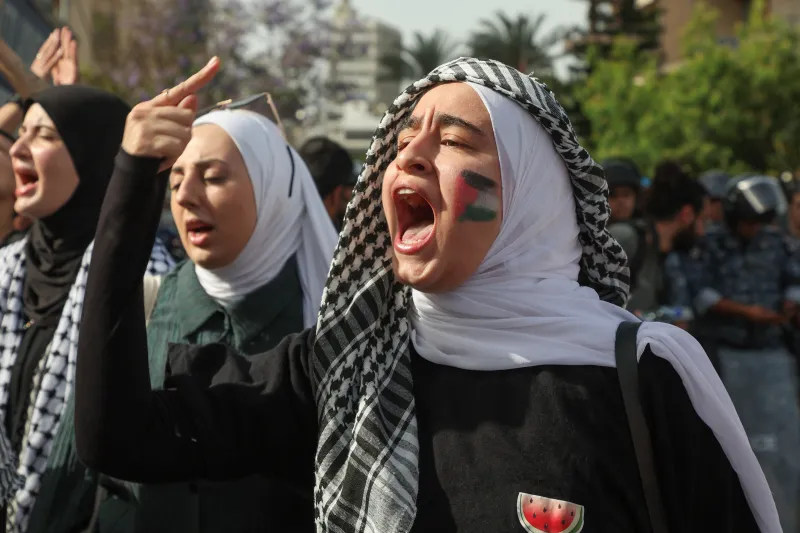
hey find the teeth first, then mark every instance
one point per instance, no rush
(405, 191)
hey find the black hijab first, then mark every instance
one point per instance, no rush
(90, 122)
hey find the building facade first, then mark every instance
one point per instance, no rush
(363, 88)
(676, 14)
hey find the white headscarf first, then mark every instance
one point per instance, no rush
(524, 306)
(291, 217)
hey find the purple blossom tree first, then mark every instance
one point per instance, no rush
(278, 46)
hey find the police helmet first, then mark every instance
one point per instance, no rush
(754, 198)
(716, 183)
(622, 172)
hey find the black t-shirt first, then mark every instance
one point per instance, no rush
(556, 432)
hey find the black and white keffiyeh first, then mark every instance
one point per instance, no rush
(367, 455)
(55, 376)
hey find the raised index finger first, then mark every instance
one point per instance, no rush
(191, 85)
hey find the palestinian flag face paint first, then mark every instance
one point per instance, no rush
(476, 198)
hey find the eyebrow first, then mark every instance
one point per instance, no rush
(39, 125)
(445, 119)
(202, 163)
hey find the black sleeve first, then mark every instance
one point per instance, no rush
(700, 490)
(265, 423)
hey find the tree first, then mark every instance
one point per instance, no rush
(425, 54)
(608, 20)
(275, 46)
(517, 42)
(733, 108)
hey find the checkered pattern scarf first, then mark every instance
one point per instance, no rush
(367, 454)
(53, 380)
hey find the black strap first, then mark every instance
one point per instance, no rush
(628, 372)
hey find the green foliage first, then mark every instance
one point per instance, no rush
(734, 108)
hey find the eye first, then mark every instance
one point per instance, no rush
(174, 187)
(214, 179)
(403, 143)
(453, 143)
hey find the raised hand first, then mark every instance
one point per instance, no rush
(17, 72)
(66, 72)
(48, 56)
(162, 127)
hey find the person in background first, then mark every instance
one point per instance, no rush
(793, 222)
(684, 279)
(624, 188)
(260, 244)
(56, 61)
(716, 183)
(673, 221)
(332, 169)
(751, 293)
(62, 161)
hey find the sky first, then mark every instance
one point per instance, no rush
(459, 17)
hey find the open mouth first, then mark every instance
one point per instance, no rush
(416, 220)
(26, 181)
(198, 232)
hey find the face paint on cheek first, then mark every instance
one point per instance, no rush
(476, 197)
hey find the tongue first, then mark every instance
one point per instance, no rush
(418, 231)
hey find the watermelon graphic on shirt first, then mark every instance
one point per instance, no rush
(548, 515)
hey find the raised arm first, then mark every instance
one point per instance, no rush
(266, 423)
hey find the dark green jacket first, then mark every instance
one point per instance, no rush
(184, 313)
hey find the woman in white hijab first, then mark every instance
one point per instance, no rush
(461, 376)
(259, 244)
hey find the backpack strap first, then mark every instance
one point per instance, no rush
(628, 373)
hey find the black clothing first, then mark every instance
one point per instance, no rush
(90, 122)
(34, 343)
(12, 237)
(185, 313)
(552, 431)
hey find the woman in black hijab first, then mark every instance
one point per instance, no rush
(62, 164)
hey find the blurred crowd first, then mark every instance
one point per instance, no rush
(718, 256)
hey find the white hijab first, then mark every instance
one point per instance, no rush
(287, 224)
(524, 306)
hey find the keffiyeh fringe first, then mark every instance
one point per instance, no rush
(54, 379)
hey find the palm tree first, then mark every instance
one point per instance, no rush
(425, 54)
(516, 42)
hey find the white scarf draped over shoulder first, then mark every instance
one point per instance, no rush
(523, 307)
(292, 219)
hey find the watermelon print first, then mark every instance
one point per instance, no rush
(477, 200)
(547, 515)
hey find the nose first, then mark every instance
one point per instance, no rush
(417, 156)
(20, 149)
(188, 192)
